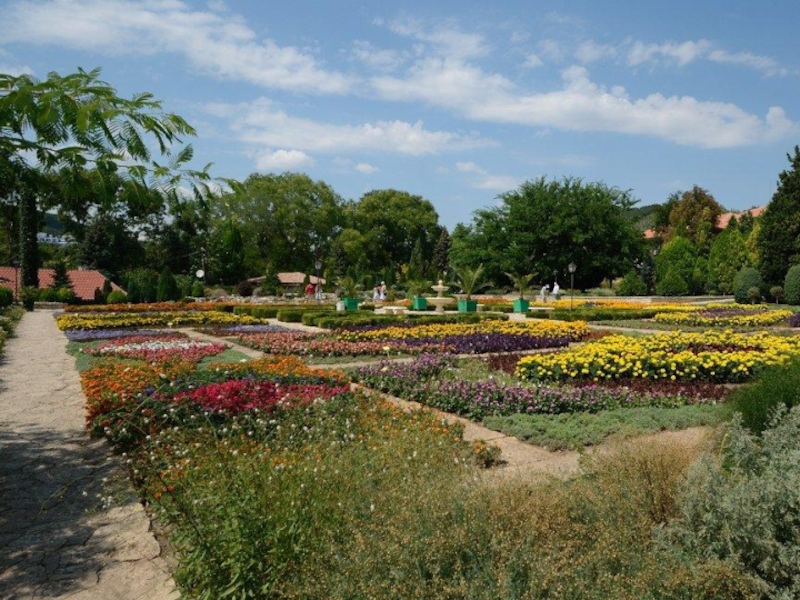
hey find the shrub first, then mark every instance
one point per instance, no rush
(167, 287)
(791, 285)
(117, 297)
(245, 288)
(6, 296)
(794, 320)
(65, 295)
(99, 296)
(672, 284)
(776, 292)
(632, 285)
(758, 401)
(744, 511)
(197, 289)
(746, 278)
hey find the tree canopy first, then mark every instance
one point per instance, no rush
(544, 225)
(778, 241)
(694, 216)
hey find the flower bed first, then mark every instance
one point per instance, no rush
(544, 329)
(150, 307)
(158, 350)
(235, 330)
(90, 335)
(434, 381)
(86, 321)
(726, 317)
(715, 356)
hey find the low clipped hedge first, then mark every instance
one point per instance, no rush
(595, 314)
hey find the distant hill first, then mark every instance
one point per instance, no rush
(52, 225)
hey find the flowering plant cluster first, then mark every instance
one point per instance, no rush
(480, 338)
(234, 330)
(434, 381)
(726, 317)
(533, 328)
(149, 307)
(90, 335)
(70, 321)
(716, 356)
(158, 350)
(794, 320)
(238, 395)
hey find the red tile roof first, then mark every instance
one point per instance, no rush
(725, 218)
(84, 282)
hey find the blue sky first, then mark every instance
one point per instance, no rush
(454, 101)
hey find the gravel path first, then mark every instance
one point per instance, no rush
(58, 536)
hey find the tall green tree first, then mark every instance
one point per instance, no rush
(393, 221)
(441, 253)
(75, 123)
(694, 217)
(288, 219)
(544, 225)
(678, 260)
(778, 241)
(728, 255)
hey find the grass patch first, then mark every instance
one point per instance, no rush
(577, 430)
(228, 355)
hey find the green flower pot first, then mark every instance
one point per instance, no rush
(521, 306)
(419, 303)
(350, 303)
(467, 305)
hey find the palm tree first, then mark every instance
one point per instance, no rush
(471, 280)
(521, 282)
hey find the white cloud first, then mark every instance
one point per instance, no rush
(552, 50)
(532, 61)
(9, 65)
(591, 51)
(485, 180)
(445, 40)
(582, 105)
(681, 53)
(283, 160)
(366, 168)
(261, 124)
(500, 183)
(221, 45)
(376, 58)
(765, 64)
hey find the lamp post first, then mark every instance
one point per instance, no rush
(571, 267)
(318, 288)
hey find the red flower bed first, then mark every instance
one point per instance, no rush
(245, 394)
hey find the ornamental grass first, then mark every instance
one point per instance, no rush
(713, 356)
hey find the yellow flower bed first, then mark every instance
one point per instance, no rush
(536, 328)
(717, 356)
(760, 319)
(184, 318)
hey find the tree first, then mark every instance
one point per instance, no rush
(417, 266)
(393, 221)
(678, 259)
(109, 246)
(167, 287)
(673, 283)
(544, 225)
(695, 217)
(746, 279)
(632, 285)
(61, 277)
(77, 122)
(778, 241)
(288, 219)
(441, 253)
(728, 255)
(791, 285)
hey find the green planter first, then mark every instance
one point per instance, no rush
(419, 303)
(467, 305)
(350, 303)
(521, 305)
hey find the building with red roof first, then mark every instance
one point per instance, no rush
(84, 281)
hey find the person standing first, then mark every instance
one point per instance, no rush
(556, 291)
(309, 291)
(383, 291)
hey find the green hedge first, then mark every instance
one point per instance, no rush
(595, 314)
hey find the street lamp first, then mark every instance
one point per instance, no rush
(318, 289)
(571, 267)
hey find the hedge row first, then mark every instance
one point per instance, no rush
(595, 314)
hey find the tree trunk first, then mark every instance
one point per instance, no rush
(28, 244)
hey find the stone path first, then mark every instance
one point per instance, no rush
(57, 539)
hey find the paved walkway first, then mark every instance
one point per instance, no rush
(57, 540)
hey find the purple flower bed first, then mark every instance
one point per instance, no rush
(109, 334)
(234, 330)
(426, 381)
(794, 320)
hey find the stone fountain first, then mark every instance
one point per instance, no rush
(439, 301)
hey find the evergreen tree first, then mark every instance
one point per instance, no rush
(167, 287)
(61, 279)
(441, 253)
(728, 255)
(417, 265)
(778, 241)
